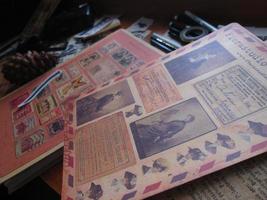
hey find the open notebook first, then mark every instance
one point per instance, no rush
(34, 131)
(195, 111)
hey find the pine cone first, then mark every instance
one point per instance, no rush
(21, 68)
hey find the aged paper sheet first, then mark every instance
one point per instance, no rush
(193, 112)
(34, 130)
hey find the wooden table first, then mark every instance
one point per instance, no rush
(53, 177)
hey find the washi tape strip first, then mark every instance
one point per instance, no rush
(40, 87)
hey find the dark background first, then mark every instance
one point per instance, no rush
(35, 190)
(14, 15)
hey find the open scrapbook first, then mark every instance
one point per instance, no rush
(192, 112)
(35, 130)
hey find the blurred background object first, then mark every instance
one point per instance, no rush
(38, 35)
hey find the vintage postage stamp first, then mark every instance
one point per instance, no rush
(74, 87)
(56, 126)
(46, 105)
(24, 126)
(29, 142)
(89, 59)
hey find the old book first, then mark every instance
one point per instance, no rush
(34, 131)
(195, 111)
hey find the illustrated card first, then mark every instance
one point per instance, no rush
(170, 127)
(45, 106)
(198, 62)
(103, 102)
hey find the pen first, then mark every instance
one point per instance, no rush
(200, 21)
(165, 41)
(160, 46)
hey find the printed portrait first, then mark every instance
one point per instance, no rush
(170, 127)
(198, 62)
(103, 102)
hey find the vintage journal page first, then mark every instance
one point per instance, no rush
(36, 130)
(195, 111)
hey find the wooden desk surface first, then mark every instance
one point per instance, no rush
(53, 177)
